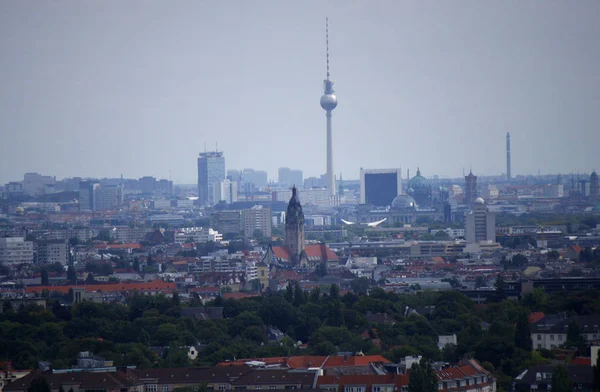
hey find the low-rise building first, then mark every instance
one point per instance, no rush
(551, 331)
(539, 378)
(197, 235)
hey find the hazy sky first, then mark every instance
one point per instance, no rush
(100, 88)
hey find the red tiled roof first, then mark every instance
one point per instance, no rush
(321, 251)
(359, 360)
(576, 248)
(534, 317)
(449, 374)
(239, 295)
(282, 252)
(305, 361)
(154, 286)
(581, 361)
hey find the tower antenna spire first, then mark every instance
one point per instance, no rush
(327, 43)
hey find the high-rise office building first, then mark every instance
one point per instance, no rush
(256, 178)
(107, 197)
(87, 191)
(380, 187)
(290, 177)
(146, 184)
(35, 184)
(480, 223)
(329, 102)
(227, 221)
(594, 188)
(211, 171)
(470, 188)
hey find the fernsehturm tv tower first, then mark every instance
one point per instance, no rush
(329, 102)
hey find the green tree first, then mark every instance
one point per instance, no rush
(289, 293)
(45, 279)
(176, 299)
(299, 295)
(553, 255)
(39, 384)
(360, 285)
(574, 338)
(422, 378)
(560, 380)
(71, 275)
(519, 260)
(499, 288)
(523, 333)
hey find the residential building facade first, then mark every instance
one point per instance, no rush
(15, 250)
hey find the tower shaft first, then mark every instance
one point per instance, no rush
(508, 173)
(330, 176)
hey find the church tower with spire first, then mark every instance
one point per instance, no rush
(294, 227)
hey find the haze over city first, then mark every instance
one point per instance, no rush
(140, 87)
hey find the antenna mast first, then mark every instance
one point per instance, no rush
(327, 43)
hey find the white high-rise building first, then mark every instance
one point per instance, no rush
(15, 250)
(481, 223)
(227, 191)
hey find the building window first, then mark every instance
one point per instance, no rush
(272, 388)
(560, 337)
(222, 387)
(165, 388)
(539, 337)
(150, 388)
(258, 387)
(551, 337)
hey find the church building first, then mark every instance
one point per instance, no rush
(296, 252)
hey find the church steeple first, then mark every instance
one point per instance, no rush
(294, 227)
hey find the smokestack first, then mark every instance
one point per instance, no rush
(508, 174)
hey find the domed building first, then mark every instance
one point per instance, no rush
(419, 189)
(403, 210)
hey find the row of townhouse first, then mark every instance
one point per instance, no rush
(467, 376)
(233, 378)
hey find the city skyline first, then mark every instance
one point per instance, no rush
(111, 102)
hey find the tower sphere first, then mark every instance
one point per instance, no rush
(329, 101)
